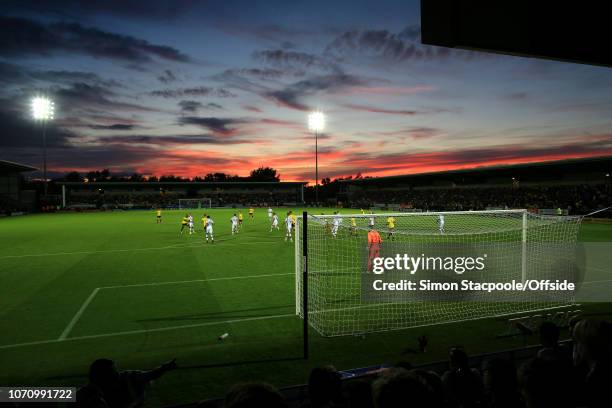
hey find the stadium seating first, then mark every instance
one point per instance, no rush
(577, 199)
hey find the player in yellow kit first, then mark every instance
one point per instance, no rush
(353, 228)
(184, 222)
(251, 213)
(293, 219)
(240, 219)
(391, 226)
(158, 212)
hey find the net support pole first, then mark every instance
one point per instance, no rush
(305, 281)
(63, 196)
(524, 248)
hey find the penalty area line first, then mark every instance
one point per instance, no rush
(93, 294)
(159, 329)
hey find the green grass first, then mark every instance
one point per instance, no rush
(50, 265)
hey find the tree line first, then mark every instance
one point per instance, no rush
(260, 174)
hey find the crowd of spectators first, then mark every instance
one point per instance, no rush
(577, 199)
(171, 200)
(559, 376)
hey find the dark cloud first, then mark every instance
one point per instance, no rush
(167, 76)
(212, 106)
(292, 95)
(404, 112)
(190, 106)
(194, 106)
(167, 140)
(423, 132)
(70, 77)
(389, 46)
(20, 132)
(373, 109)
(294, 60)
(219, 126)
(12, 74)
(82, 95)
(199, 91)
(262, 73)
(23, 37)
(134, 9)
(115, 126)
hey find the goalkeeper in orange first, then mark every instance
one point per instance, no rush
(374, 241)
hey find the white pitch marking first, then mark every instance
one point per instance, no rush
(80, 312)
(159, 329)
(78, 315)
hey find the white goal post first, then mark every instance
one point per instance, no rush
(522, 247)
(191, 203)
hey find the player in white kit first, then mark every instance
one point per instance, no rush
(270, 213)
(274, 222)
(190, 222)
(336, 224)
(234, 220)
(441, 223)
(289, 227)
(209, 229)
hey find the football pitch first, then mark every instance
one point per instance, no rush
(79, 286)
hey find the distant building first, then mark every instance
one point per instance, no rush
(12, 195)
(127, 194)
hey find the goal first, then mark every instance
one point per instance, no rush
(517, 246)
(190, 203)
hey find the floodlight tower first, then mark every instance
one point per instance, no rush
(43, 110)
(316, 124)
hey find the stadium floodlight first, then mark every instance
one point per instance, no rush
(316, 124)
(43, 109)
(316, 121)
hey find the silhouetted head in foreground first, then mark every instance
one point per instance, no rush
(399, 388)
(549, 334)
(254, 395)
(324, 386)
(103, 372)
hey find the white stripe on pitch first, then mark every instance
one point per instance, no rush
(160, 329)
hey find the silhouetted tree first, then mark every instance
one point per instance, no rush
(136, 177)
(264, 174)
(73, 176)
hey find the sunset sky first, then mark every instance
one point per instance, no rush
(192, 87)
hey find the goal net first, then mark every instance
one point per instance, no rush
(514, 247)
(185, 203)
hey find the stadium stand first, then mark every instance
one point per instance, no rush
(167, 194)
(13, 198)
(576, 186)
